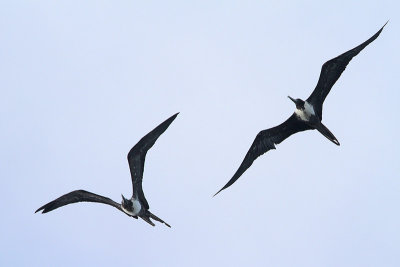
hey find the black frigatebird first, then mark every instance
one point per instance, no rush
(137, 205)
(308, 114)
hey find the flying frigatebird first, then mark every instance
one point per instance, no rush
(137, 205)
(307, 115)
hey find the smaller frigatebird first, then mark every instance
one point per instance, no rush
(137, 205)
(308, 114)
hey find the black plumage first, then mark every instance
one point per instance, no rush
(308, 114)
(331, 71)
(136, 158)
(77, 196)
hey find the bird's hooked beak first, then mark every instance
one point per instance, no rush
(292, 99)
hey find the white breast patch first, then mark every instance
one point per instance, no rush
(305, 113)
(136, 208)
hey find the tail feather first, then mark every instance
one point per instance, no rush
(158, 219)
(147, 219)
(328, 134)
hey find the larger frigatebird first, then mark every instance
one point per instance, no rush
(308, 114)
(137, 205)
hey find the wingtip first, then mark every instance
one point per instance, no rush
(386, 23)
(173, 117)
(218, 192)
(40, 209)
(381, 29)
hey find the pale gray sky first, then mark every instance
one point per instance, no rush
(83, 81)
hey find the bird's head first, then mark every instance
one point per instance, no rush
(299, 103)
(126, 203)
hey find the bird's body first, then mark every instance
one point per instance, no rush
(306, 112)
(307, 115)
(137, 205)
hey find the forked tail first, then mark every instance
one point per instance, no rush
(149, 215)
(158, 219)
(325, 131)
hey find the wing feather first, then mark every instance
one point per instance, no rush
(265, 141)
(137, 156)
(331, 71)
(77, 196)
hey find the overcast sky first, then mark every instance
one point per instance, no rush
(83, 81)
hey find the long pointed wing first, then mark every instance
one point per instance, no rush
(137, 155)
(266, 140)
(77, 196)
(331, 71)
